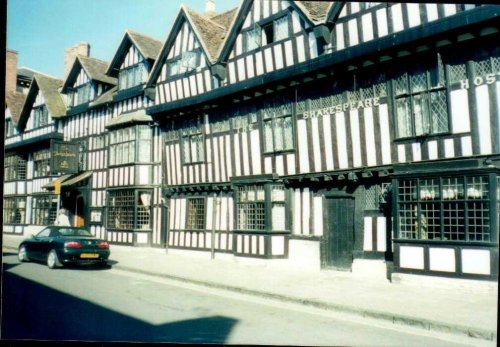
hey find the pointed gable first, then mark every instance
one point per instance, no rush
(48, 87)
(137, 46)
(192, 31)
(316, 11)
(14, 102)
(93, 69)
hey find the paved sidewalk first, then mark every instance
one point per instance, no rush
(446, 310)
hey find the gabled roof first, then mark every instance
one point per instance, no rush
(316, 11)
(313, 11)
(210, 33)
(25, 72)
(14, 101)
(95, 69)
(210, 30)
(49, 87)
(148, 46)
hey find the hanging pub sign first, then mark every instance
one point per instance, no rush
(63, 157)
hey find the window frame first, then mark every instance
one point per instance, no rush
(38, 163)
(13, 213)
(273, 119)
(263, 196)
(183, 57)
(131, 206)
(136, 143)
(15, 167)
(196, 220)
(139, 72)
(39, 204)
(186, 140)
(436, 82)
(40, 116)
(465, 197)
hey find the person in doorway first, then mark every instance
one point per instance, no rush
(62, 218)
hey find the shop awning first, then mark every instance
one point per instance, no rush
(78, 178)
(139, 116)
(51, 184)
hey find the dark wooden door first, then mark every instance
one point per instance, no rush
(338, 238)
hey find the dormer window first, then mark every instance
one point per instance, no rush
(81, 94)
(40, 116)
(132, 76)
(187, 62)
(266, 33)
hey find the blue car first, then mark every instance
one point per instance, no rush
(59, 245)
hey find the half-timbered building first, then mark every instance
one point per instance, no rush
(347, 135)
(334, 134)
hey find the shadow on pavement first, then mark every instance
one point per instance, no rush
(35, 312)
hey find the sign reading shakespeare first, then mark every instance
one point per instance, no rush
(370, 102)
(64, 157)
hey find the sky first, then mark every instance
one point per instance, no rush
(40, 30)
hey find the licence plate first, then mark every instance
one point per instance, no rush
(89, 255)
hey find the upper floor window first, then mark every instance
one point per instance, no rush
(193, 148)
(260, 35)
(444, 208)
(278, 132)
(83, 93)
(15, 168)
(132, 76)
(41, 163)
(421, 102)
(130, 145)
(187, 62)
(40, 116)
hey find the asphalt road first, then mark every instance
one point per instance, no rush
(88, 304)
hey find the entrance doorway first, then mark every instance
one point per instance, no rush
(338, 238)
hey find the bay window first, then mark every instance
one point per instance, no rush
(444, 208)
(130, 145)
(14, 210)
(15, 168)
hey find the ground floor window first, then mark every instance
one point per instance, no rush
(195, 213)
(129, 209)
(261, 207)
(14, 210)
(44, 209)
(444, 208)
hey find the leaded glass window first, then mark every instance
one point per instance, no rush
(446, 208)
(187, 62)
(14, 167)
(122, 146)
(14, 210)
(278, 133)
(421, 102)
(250, 207)
(83, 93)
(193, 148)
(44, 209)
(252, 38)
(129, 209)
(132, 76)
(195, 213)
(40, 116)
(41, 163)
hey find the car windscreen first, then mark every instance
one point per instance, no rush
(74, 232)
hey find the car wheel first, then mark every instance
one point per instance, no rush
(23, 254)
(52, 260)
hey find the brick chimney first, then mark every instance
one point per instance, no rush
(10, 71)
(210, 7)
(82, 48)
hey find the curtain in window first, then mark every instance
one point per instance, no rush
(281, 28)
